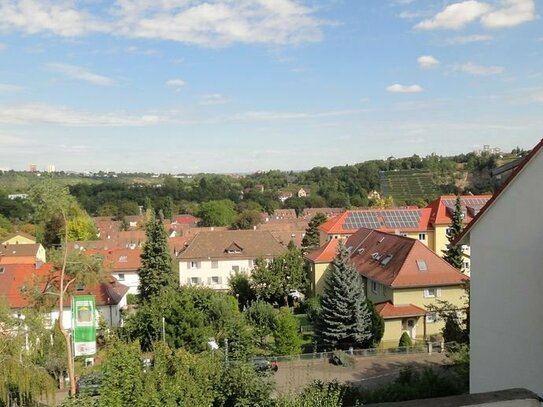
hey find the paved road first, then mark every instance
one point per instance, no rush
(370, 371)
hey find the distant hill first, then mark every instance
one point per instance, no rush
(408, 185)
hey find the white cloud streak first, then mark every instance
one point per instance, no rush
(176, 84)
(427, 61)
(4, 88)
(479, 70)
(466, 39)
(79, 73)
(397, 88)
(211, 24)
(213, 99)
(513, 13)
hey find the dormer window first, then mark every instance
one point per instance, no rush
(386, 259)
(2, 270)
(234, 248)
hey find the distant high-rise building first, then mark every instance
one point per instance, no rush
(33, 168)
(51, 168)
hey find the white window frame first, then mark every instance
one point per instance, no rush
(121, 277)
(214, 264)
(215, 280)
(235, 269)
(432, 292)
(422, 236)
(374, 286)
(195, 280)
(193, 265)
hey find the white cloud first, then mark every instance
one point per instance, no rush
(176, 84)
(480, 70)
(213, 99)
(513, 13)
(77, 72)
(397, 88)
(427, 61)
(60, 115)
(466, 39)
(4, 88)
(59, 17)
(455, 16)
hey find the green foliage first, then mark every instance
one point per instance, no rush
(405, 341)
(311, 238)
(216, 213)
(240, 287)
(287, 340)
(156, 263)
(344, 319)
(377, 327)
(318, 393)
(453, 254)
(246, 220)
(342, 358)
(452, 331)
(5, 226)
(273, 281)
(311, 307)
(263, 317)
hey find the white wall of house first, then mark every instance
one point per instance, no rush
(507, 288)
(210, 273)
(131, 279)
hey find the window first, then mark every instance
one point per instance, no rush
(2, 270)
(193, 265)
(251, 264)
(195, 280)
(121, 277)
(80, 287)
(422, 236)
(466, 264)
(374, 286)
(123, 259)
(235, 269)
(215, 280)
(214, 264)
(431, 317)
(385, 260)
(432, 293)
(421, 264)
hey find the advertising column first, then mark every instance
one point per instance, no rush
(84, 324)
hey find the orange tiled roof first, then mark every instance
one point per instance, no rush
(443, 207)
(324, 254)
(398, 261)
(388, 220)
(388, 311)
(120, 259)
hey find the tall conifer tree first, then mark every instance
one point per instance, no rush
(453, 254)
(156, 263)
(344, 319)
(311, 238)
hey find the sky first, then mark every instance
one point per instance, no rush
(235, 86)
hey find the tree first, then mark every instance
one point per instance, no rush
(377, 327)
(453, 254)
(311, 239)
(344, 319)
(69, 268)
(263, 317)
(405, 341)
(156, 263)
(240, 287)
(286, 336)
(216, 213)
(246, 220)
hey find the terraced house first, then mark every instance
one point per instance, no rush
(402, 277)
(428, 225)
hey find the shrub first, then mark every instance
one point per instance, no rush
(342, 358)
(405, 341)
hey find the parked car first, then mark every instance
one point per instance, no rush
(263, 365)
(89, 384)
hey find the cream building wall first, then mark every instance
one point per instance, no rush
(213, 274)
(19, 240)
(506, 317)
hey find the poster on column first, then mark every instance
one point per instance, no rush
(84, 324)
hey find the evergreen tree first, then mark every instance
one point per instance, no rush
(156, 263)
(453, 254)
(287, 340)
(344, 319)
(311, 238)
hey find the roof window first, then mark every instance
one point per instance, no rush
(421, 264)
(2, 270)
(123, 259)
(386, 259)
(375, 256)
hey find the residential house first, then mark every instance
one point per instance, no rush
(506, 308)
(302, 193)
(211, 257)
(402, 277)
(283, 196)
(16, 278)
(122, 264)
(18, 238)
(282, 214)
(309, 213)
(33, 253)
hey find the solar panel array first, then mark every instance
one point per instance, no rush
(391, 219)
(466, 202)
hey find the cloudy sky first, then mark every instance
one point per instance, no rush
(246, 85)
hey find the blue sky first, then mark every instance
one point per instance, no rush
(246, 85)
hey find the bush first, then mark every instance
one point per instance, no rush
(342, 358)
(311, 307)
(405, 341)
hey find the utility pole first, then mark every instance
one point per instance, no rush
(163, 329)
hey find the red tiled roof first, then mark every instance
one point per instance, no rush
(15, 234)
(535, 151)
(324, 254)
(16, 276)
(339, 224)
(369, 248)
(186, 220)
(441, 216)
(120, 259)
(388, 311)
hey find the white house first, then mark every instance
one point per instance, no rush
(123, 264)
(211, 257)
(506, 320)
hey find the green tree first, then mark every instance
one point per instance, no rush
(216, 213)
(322, 394)
(344, 319)
(246, 220)
(453, 254)
(156, 263)
(405, 341)
(5, 226)
(377, 327)
(311, 238)
(286, 336)
(240, 287)
(263, 317)
(69, 268)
